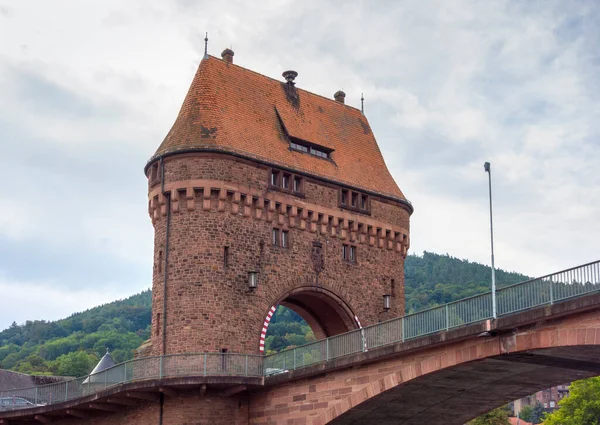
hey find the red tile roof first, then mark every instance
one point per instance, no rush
(230, 108)
(513, 421)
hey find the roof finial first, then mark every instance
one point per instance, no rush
(106, 350)
(362, 103)
(206, 46)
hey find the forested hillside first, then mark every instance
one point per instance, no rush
(435, 279)
(72, 346)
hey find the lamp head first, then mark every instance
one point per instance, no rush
(487, 167)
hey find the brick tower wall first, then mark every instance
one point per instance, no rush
(220, 200)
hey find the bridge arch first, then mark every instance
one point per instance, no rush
(453, 383)
(444, 378)
(326, 312)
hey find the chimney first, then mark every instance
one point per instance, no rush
(290, 76)
(339, 96)
(227, 55)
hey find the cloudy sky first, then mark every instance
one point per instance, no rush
(88, 90)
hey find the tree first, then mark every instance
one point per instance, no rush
(497, 416)
(537, 413)
(525, 413)
(77, 363)
(581, 407)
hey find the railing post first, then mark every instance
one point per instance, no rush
(294, 358)
(204, 364)
(36, 395)
(246, 364)
(447, 317)
(403, 329)
(327, 349)
(160, 367)
(105, 376)
(551, 291)
(125, 372)
(66, 390)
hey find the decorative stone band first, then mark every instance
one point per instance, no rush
(281, 209)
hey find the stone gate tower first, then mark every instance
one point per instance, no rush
(264, 194)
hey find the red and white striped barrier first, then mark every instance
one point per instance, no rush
(263, 334)
(362, 333)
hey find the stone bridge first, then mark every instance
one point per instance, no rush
(445, 378)
(423, 368)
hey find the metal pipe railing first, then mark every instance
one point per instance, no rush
(544, 290)
(202, 364)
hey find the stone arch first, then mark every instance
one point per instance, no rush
(325, 311)
(494, 371)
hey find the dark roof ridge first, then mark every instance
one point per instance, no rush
(279, 81)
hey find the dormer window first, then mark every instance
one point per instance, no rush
(298, 147)
(274, 178)
(320, 153)
(306, 147)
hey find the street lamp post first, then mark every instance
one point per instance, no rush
(488, 169)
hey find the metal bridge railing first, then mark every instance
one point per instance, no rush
(203, 364)
(545, 290)
(511, 299)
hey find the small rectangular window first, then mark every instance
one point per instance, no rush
(318, 153)
(298, 147)
(285, 181)
(296, 184)
(274, 178)
(157, 333)
(284, 239)
(225, 257)
(275, 237)
(363, 202)
(354, 199)
(352, 254)
(344, 197)
(345, 252)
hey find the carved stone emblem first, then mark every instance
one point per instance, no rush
(317, 257)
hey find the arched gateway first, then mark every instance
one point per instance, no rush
(325, 312)
(264, 194)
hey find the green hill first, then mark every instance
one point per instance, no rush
(435, 279)
(72, 346)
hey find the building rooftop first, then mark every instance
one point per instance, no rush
(106, 362)
(229, 108)
(10, 380)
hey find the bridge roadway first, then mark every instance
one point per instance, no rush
(443, 377)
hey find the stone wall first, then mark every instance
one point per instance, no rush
(185, 409)
(220, 201)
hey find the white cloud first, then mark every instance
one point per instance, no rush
(29, 300)
(91, 88)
